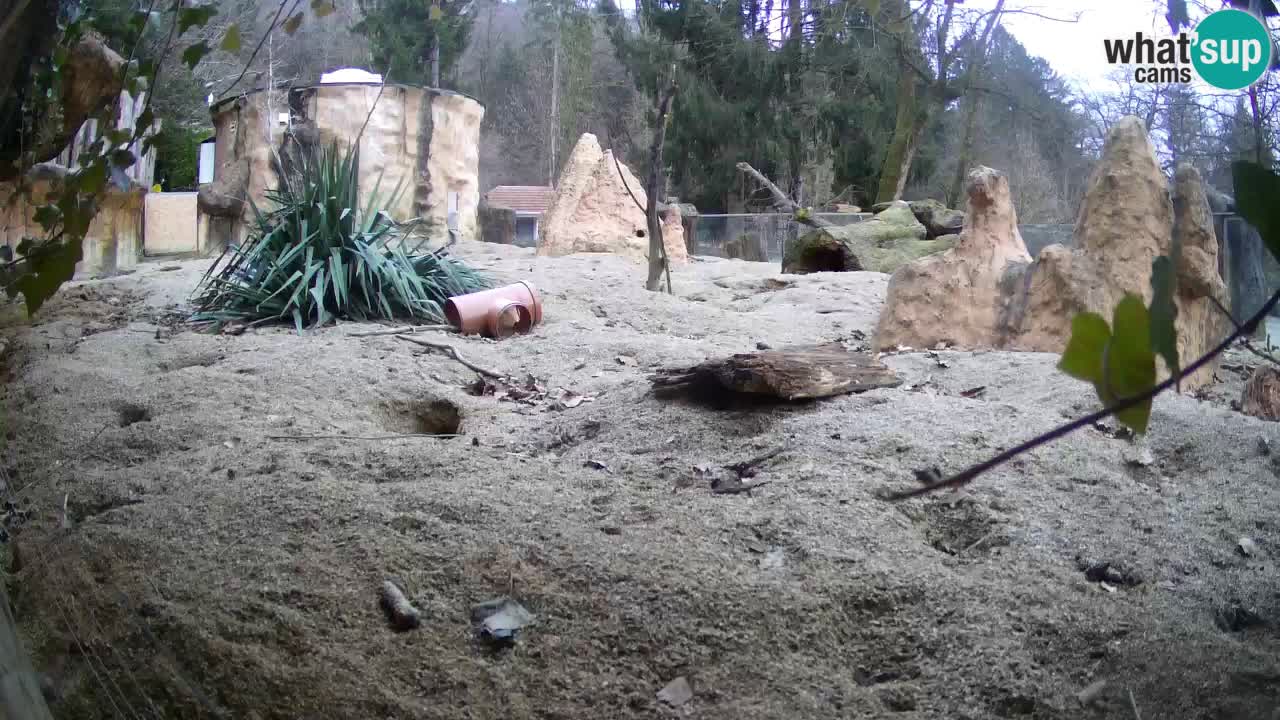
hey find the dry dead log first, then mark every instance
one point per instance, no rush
(797, 373)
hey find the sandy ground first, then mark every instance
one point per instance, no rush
(203, 569)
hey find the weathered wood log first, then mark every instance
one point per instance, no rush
(797, 373)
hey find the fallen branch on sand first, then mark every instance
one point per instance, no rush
(796, 373)
(401, 436)
(447, 348)
(402, 330)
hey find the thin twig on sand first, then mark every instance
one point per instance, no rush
(978, 542)
(747, 468)
(402, 330)
(452, 351)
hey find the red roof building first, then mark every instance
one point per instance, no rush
(529, 202)
(526, 200)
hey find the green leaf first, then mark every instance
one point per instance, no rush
(48, 216)
(1164, 313)
(231, 39)
(1130, 366)
(93, 177)
(291, 25)
(194, 54)
(322, 8)
(1258, 201)
(1118, 365)
(1082, 358)
(52, 265)
(198, 16)
(872, 6)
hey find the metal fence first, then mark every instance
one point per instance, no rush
(762, 237)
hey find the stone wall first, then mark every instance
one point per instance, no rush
(114, 240)
(170, 224)
(419, 151)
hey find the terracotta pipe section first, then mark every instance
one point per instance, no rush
(498, 313)
(509, 318)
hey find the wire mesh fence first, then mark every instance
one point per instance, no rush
(760, 237)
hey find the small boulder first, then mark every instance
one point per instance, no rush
(938, 219)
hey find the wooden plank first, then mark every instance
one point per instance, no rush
(797, 373)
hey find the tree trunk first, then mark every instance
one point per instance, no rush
(656, 189)
(435, 62)
(555, 106)
(977, 60)
(955, 194)
(1261, 156)
(897, 160)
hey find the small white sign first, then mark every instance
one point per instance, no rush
(206, 163)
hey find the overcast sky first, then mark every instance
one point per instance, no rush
(1074, 49)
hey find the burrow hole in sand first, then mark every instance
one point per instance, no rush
(422, 416)
(828, 260)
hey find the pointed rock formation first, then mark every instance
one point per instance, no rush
(594, 210)
(1125, 222)
(961, 297)
(986, 293)
(1201, 325)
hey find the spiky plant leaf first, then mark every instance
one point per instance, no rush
(317, 255)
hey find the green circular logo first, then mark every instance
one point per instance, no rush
(1232, 49)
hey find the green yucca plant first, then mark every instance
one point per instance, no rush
(317, 256)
